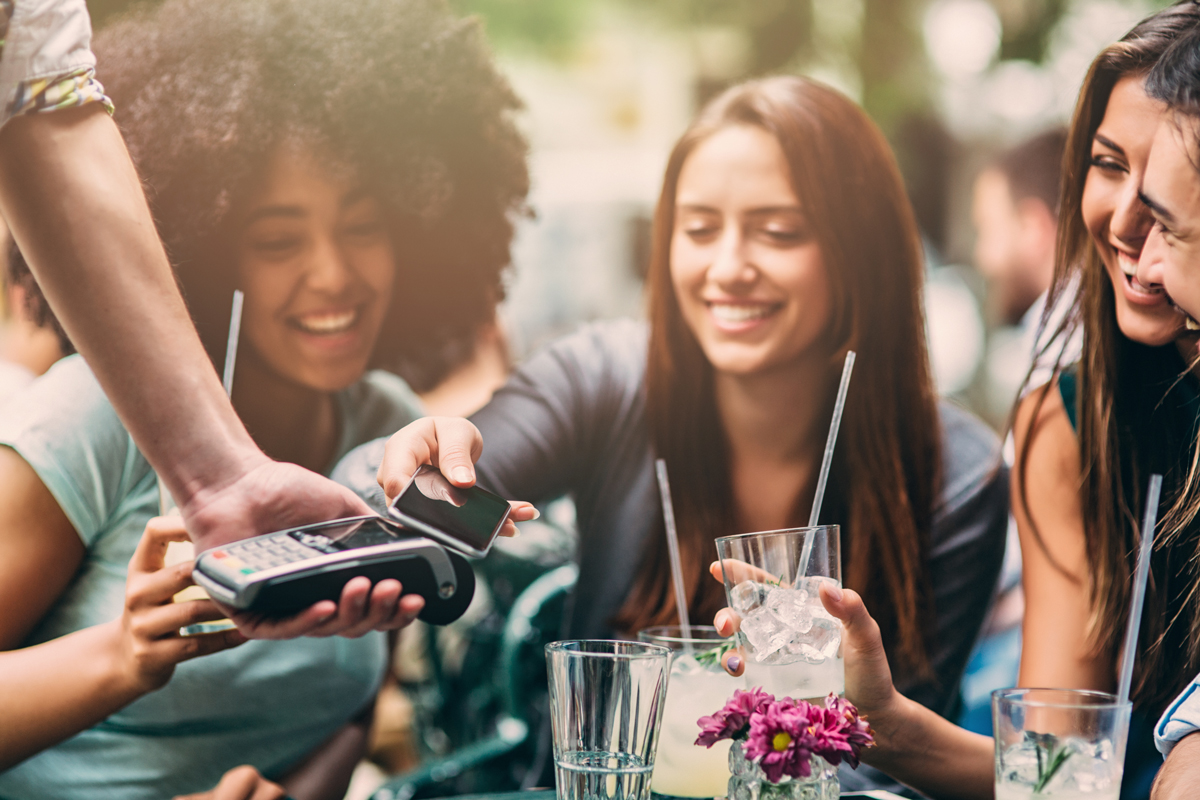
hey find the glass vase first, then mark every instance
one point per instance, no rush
(747, 781)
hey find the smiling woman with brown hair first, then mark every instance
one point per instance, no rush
(783, 238)
(353, 169)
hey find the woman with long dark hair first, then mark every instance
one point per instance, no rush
(1088, 441)
(782, 239)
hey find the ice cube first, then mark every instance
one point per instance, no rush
(790, 607)
(747, 596)
(1091, 767)
(1019, 763)
(819, 643)
(765, 633)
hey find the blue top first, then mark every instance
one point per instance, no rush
(266, 703)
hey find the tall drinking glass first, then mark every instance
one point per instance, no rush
(698, 686)
(606, 706)
(1064, 744)
(793, 646)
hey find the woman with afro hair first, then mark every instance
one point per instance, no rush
(354, 169)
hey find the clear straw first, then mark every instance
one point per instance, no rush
(664, 491)
(826, 461)
(231, 344)
(166, 503)
(1138, 600)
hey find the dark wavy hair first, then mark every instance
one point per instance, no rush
(400, 95)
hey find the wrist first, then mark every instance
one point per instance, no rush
(120, 680)
(892, 723)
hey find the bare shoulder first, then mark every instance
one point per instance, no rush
(1046, 484)
(1043, 428)
(39, 549)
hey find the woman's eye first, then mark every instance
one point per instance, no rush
(1107, 163)
(701, 231)
(276, 246)
(783, 236)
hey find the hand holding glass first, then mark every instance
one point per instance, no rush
(793, 646)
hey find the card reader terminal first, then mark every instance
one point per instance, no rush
(287, 571)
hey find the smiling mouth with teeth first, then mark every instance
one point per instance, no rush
(327, 324)
(737, 313)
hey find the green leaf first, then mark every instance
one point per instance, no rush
(1055, 757)
(711, 658)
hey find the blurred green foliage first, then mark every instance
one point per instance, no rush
(548, 28)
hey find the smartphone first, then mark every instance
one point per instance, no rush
(466, 520)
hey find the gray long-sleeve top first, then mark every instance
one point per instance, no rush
(571, 420)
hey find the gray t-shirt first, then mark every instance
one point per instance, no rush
(572, 421)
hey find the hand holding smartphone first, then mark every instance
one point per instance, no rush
(466, 520)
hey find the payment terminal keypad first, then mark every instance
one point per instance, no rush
(259, 554)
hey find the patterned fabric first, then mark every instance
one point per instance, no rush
(76, 88)
(46, 61)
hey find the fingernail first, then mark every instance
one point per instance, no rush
(835, 592)
(462, 475)
(536, 514)
(735, 663)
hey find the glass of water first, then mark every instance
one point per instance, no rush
(1065, 744)
(792, 645)
(606, 707)
(698, 686)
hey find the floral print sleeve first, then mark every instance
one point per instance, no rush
(46, 61)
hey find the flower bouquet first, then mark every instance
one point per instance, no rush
(786, 749)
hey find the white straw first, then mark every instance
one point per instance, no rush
(231, 344)
(664, 492)
(1138, 601)
(826, 461)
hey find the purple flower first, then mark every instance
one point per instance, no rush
(783, 736)
(781, 741)
(732, 721)
(838, 731)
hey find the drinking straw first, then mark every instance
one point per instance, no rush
(826, 461)
(1139, 588)
(664, 492)
(231, 344)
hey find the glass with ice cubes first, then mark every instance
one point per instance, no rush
(792, 645)
(1064, 744)
(698, 684)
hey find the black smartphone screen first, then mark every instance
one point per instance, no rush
(470, 516)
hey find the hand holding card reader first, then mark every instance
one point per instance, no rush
(287, 571)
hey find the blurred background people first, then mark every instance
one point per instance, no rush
(1015, 213)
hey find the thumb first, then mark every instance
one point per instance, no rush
(459, 444)
(861, 630)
